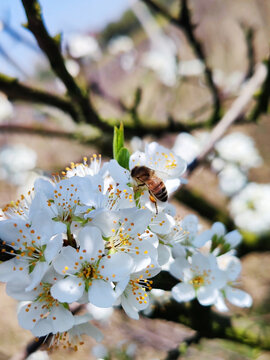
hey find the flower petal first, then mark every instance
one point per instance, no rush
(101, 294)
(183, 292)
(110, 269)
(238, 297)
(68, 290)
(207, 295)
(91, 242)
(178, 266)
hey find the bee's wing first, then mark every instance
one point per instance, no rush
(161, 174)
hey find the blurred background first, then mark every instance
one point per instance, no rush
(140, 68)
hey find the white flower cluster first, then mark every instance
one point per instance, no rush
(206, 265)
(98, 235)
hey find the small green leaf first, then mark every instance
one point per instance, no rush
(123, 158)
(118, 140)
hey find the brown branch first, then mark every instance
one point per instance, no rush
(237, 109)
(103, 142)
(184, 22)
(18, 91)
(51, 48)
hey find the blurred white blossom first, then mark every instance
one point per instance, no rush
(231, 179)
(239, 149)
(120, 44)
(72, 67)
(194, 67)
(250, 208)
(15, 163)
(6, 108)
(82, 45)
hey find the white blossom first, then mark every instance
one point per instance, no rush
(250, 208)
(231, 265)
(200, 278)
(240, 149)
(231, 179)
(82, 45)
(15, 163)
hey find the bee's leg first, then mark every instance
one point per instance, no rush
(153, 200)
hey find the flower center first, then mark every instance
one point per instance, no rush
(197, 281)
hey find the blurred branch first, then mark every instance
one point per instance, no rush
(210, 324)
(195, 200)
(134, 108)
(184, 22)
(263, 99)
(236, 110)
(11, 61)
(51, 48)
(249, 33)
(18, 37)
(103, 141)
(18, 91)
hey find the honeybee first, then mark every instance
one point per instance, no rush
(156, 187)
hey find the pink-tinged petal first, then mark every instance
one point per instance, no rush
(91, 242)
(207, 295)
(68, 290)
(164, 254)
(238, 297)
(42, 328)
(178, 266)
(64, 263)
(53, 247)
(183, 292)
(101, 294)
(61, 319)
(37, 274)
(130, 310)
(218, 228)
(233, 238)
(116, 267)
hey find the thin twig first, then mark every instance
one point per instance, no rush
(184, 21)
(237, 109)
(264, 96)
(51, 48)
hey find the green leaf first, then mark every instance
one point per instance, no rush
(118, 140)
(123, 158)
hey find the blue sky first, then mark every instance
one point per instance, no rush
(63, 16)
